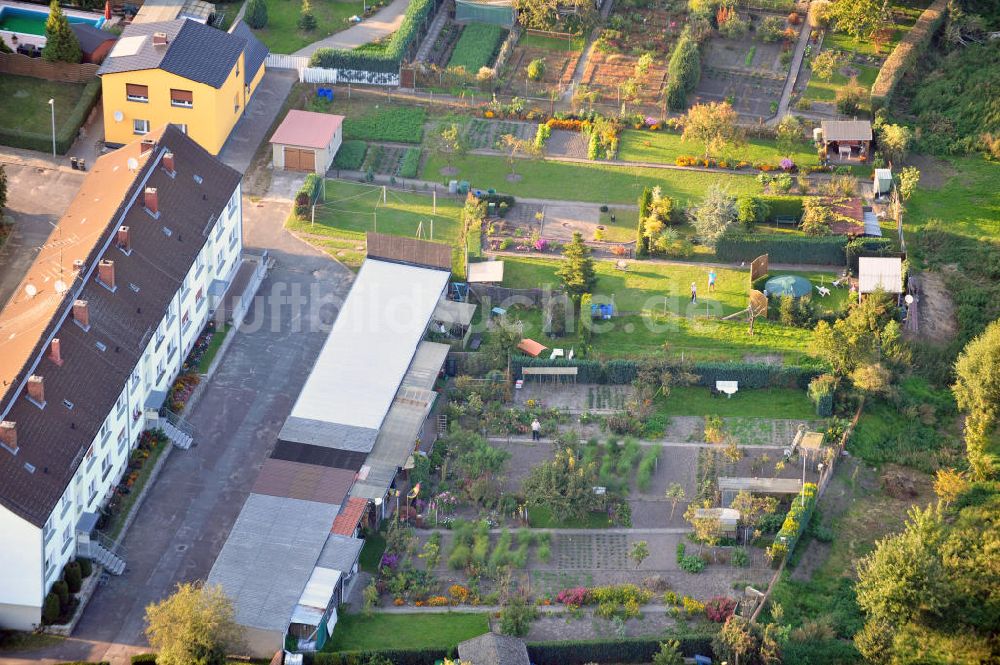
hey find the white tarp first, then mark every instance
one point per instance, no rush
(880, 272)
(316, 596)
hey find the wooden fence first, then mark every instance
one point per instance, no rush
(64, 72)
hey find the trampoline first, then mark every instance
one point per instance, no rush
(788, 285)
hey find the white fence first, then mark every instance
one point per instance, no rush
(281, 61)
(317, 75)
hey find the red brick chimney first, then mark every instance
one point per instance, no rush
(8, 434)
(152, 201)
(146, 146)
(106, 273)
(55, 352)
(159, 39)
(124, 241)
(81, 313)
(36, 388)
(168, 162)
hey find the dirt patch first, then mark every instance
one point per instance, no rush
(934, 172)
(513, 177)
(935, 310)
(448, 170)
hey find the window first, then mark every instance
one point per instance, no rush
(185, 320)
(47, 532)
(122, 401)
(67, 535)
(105, 467)
(231, 207)
(233, 237)
(66, 503)
(93, 491)
(182, 98)
(136, 93)
(236, 102)
(140, 126)
(122, 439)
(135, 378)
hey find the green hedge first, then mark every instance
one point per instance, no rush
(411, 162)
(782, 206)
(428, 656)
(684, 71)
(67, 132)
(795, 523)
(351, 155)
(868, 247)
(634, 650)
(906, 53)
(782, 248)
(622, 372)
(387, 61)
(85, 662)
(144, 658)
(307, 194)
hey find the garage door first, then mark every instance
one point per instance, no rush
(297, 159)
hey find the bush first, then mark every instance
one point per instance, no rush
(144, 658)
(750, 211)
(849, 98)
(821, 391)
(906, 53)
(782, 248)
(684, 70)
(351, 155)
(61, 590)
(307, 21)
(428, 656)
(516, 617)
(542, 135)
(536, 69)
(50, 608)
(782, 206)
(86, 567)
(307, 195)
(772, 29)
(691, 564)
(719, 609)
(795, 523)
(410, 164)
(73, 577)
(256, 17)
(477, 47)
(629, 650)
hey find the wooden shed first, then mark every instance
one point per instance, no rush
(847, 140)
(307, 141)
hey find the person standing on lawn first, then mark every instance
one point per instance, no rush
(711, 280)
(536, 430)
(694, 293)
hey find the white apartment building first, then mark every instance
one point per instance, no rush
(101, 323)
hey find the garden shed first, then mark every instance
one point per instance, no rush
(876, 272)
(493, 649)
(847, 139)
(94, 42)
(306, 141)
(882, 183)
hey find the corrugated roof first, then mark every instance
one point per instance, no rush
(340, 552)
(847, 130)
(53, 440)
(307, 129)
(409, 250)
(194, 51)
(269, 557)
(880, 272)
(350, 516)
(303, 481)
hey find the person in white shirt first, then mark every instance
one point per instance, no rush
(536, 430)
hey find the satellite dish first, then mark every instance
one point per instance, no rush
(119, 116)
(60, 286)
(133, 163)
(31, 290)
(909, 298)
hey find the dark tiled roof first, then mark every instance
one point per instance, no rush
(254, 53)
(308, 482)
(91, 38)
(194, 51)
(54, 440)
(493, 649)
(318, 455)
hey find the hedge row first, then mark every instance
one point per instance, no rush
(389, 60)
(144, 658)
(428, 656)
(85, 662)
(622, 372)
(868, 247)
(782, 248)
(684, 71)
(634, 650)
(782, 206)
(795, 523)
(70, 127)
(307, 194)
(906, 53)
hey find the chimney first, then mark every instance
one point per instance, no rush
(8, 434)
(81, 313)
(146, 146)
(168, 162)
(36, 389)
(124, 241)
(159, 39)
(106, 273)
(55, 352)
(152, 201)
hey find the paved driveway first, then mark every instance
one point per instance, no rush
(253, 127)
(381, 24)
(190, 510)
(37, 194)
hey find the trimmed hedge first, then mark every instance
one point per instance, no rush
(307, 194)
(622, 372)
(795, 523)
(868, 247)
(684, 71)
(143, 658)
(389, 60)
(411, 162)
(782, 206)
(351, 155)
(85, 662)
(634, 650)
(782, 248)
(903, 57)
(67, 132)
(641, 241)
(396, 656)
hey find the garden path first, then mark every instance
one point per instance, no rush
(783, 267)
(588, 50)
(663, 444)
(382, 23)
(793, 72)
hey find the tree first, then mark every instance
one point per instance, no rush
(894, 140)
(860, 18)
(564, 486)
(307, 21)
(977, 392)
(816, 217)
(824, 64)
(194, 625)
(669, 654)
(713, 124)
(752, 508)
(714, 216)
(684, 71)
(789, 134)
(639, 552)
(3, 191)
(949, 484)
(675, 493)
(513, 146)
(536, 69)
(873, 379)
(61, 44)
(850, 97)
(909, 177)
(737, 640)
(256, 14)
(707, 528)
(449, 141)
(867, 335)
(516, 616)
(751, 210)
(577, 271)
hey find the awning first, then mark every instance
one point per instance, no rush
(316, 596)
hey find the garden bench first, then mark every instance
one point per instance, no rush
(786, 220)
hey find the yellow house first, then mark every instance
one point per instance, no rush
(180, 72)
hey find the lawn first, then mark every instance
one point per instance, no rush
(769, 403)
(968, 201)
(282, 35)
(664, 147)
(24, 102)
(406, 631)
(352, 209)
(213, 348)
(602, 182)
(13, 640)
(551, 43)
(371, 553)
(826, 91)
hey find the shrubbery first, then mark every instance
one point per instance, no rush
(684, 71)
(906, 53)
(351, 155)
(795, 523)
(73, 577)
(821, 392)
(144, 658)
(635, 650)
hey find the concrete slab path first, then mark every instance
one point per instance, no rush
(253, 127)
(382, 23)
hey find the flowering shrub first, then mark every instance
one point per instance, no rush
(397, 601)
(567, 124)
(458, 593)
(786, 164)
(541, 245)
(575, 596)
(389, 561)
(685, 160)
(437, 601)
(692, 606)
(720, 608)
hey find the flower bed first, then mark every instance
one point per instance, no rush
(151, 445)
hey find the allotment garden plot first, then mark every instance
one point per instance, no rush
(560, 56)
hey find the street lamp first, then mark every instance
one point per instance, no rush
(52, 105)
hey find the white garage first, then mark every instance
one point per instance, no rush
(307, 141)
